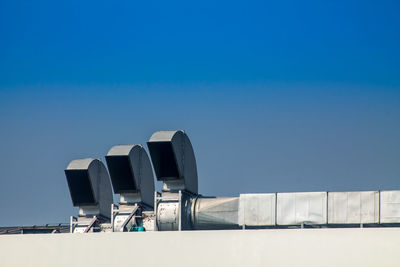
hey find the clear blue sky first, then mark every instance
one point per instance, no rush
(275, 96)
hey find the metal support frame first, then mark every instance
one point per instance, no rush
(91, 224)
(115, 211)
(132, 215)
(112, 216)
(72, 223)
(180, 211)
(157, 196)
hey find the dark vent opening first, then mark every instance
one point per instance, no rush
(80, 187)
(121, 173)
(163, 159)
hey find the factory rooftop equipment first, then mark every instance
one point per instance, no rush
(132, 178)
(179, 206)
(174, 161)
(90, 188)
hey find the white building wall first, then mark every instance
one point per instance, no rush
(274, 247)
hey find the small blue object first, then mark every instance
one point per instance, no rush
(137, 229)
